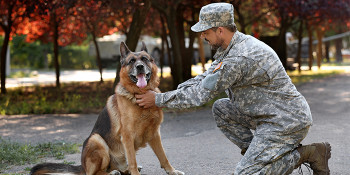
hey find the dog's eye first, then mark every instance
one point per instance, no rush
(132, 61)
(144, 59)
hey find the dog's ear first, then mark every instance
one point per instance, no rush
(144, 48)
(124, 51)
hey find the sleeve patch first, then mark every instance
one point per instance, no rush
(217, 67)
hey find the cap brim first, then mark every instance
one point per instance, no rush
(200, 27)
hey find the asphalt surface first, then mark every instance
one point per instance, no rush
(192, 141)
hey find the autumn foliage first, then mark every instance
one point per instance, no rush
(64, 22)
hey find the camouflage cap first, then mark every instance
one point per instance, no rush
(214, 15)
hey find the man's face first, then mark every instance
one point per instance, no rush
(213, 38)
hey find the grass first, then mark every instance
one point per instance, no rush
(14, 153)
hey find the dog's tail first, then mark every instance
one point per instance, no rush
(55, 168)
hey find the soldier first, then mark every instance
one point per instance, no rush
(261, 98)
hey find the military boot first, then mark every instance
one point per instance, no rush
(317, 155)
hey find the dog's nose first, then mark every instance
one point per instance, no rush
(139, 67)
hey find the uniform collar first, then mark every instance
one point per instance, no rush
(221, 53)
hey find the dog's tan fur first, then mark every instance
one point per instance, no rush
(130, 128)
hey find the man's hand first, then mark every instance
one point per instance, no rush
(146, 100)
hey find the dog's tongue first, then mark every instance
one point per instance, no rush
(141, 81)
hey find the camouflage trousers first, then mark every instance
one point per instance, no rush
(267, 153)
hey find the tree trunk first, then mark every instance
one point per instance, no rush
(175, 46)
(320, 34)
(170, 58)
(7, 29)
(186, 53)
(181, 37)
(3, 59)
(189, 55)
(55, 49)
(338, 47)
(311, 56)
(326, 48)
(240, 20)
(164, 39)
(201, 51)
(300, 37)
(281, 47)
(136, 25)
(161, 59)
(98, 56)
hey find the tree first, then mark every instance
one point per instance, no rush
(249, 12)
(96, 18)
(285, 21)
(138, 21)
(326, 14)
(303, 11)
(13, 13)
(186, 13)
(168, 9)
(179, 16)
(130, 17)
(52, 21)
(339, 21)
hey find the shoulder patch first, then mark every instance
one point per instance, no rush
(217, 67)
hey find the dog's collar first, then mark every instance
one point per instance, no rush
(123, 92)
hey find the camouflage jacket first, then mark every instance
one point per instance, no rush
(255, 80)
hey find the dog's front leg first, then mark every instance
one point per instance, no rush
(158, 149)
(128, 143)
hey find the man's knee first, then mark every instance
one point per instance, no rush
(219, 107)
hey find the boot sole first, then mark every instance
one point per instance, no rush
(327, 155)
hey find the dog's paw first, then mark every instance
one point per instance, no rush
(176, 172)
(114, 172)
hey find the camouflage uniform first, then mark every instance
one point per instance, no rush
(261, 97)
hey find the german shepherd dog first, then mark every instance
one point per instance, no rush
(122, 127)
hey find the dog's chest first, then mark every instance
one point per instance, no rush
(149, 119)
(147, 125)
(149, 115)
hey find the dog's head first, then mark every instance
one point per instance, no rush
(139, 66)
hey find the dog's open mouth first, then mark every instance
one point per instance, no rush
(141, 80)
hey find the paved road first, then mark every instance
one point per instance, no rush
(192, 141)
(49, 77)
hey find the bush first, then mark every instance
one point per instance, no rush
(38, 55)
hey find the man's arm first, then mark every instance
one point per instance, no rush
(197, 93)
(147, 99)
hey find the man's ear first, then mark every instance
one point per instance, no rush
(221, 30)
